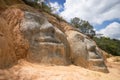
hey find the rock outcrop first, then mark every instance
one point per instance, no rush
(40, 38)
(83, 50)
(7, 52)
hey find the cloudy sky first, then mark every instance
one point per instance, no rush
(104, 15)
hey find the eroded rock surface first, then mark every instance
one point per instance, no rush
(7, 53)
(38, 39)
(47, 43)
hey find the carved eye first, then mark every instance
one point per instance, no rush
(35, 30)
(29, 27)
(51, 30)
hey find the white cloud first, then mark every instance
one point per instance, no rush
(112, 30)
(95, 11)
(55, 7)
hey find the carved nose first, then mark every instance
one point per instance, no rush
(50, 29)
(91, 47)
(47, 29)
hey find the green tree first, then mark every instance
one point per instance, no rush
(84, 26)
(112, 46)
(75, 22)
(38, 4)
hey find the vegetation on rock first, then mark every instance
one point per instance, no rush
(83, 26)
(112, 46)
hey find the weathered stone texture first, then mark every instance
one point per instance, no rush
(38, 37)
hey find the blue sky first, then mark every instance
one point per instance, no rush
(106, 23)
(61, 2)
(104, 15)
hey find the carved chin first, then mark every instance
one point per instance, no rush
(47, 52)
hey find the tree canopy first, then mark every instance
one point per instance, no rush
(112, 46)
(84, 26)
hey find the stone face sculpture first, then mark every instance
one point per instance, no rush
(85, 52)
(47, 43)
(38, 41)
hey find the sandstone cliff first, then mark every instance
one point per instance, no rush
(31, 41)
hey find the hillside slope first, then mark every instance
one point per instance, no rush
(28, 71)
(35, 45)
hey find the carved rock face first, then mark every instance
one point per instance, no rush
(85, 52)
(47, 43)
(79, 53)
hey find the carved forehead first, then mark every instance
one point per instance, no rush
(32, 20)
(34, 17)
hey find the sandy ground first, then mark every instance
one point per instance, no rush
(28, 71)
